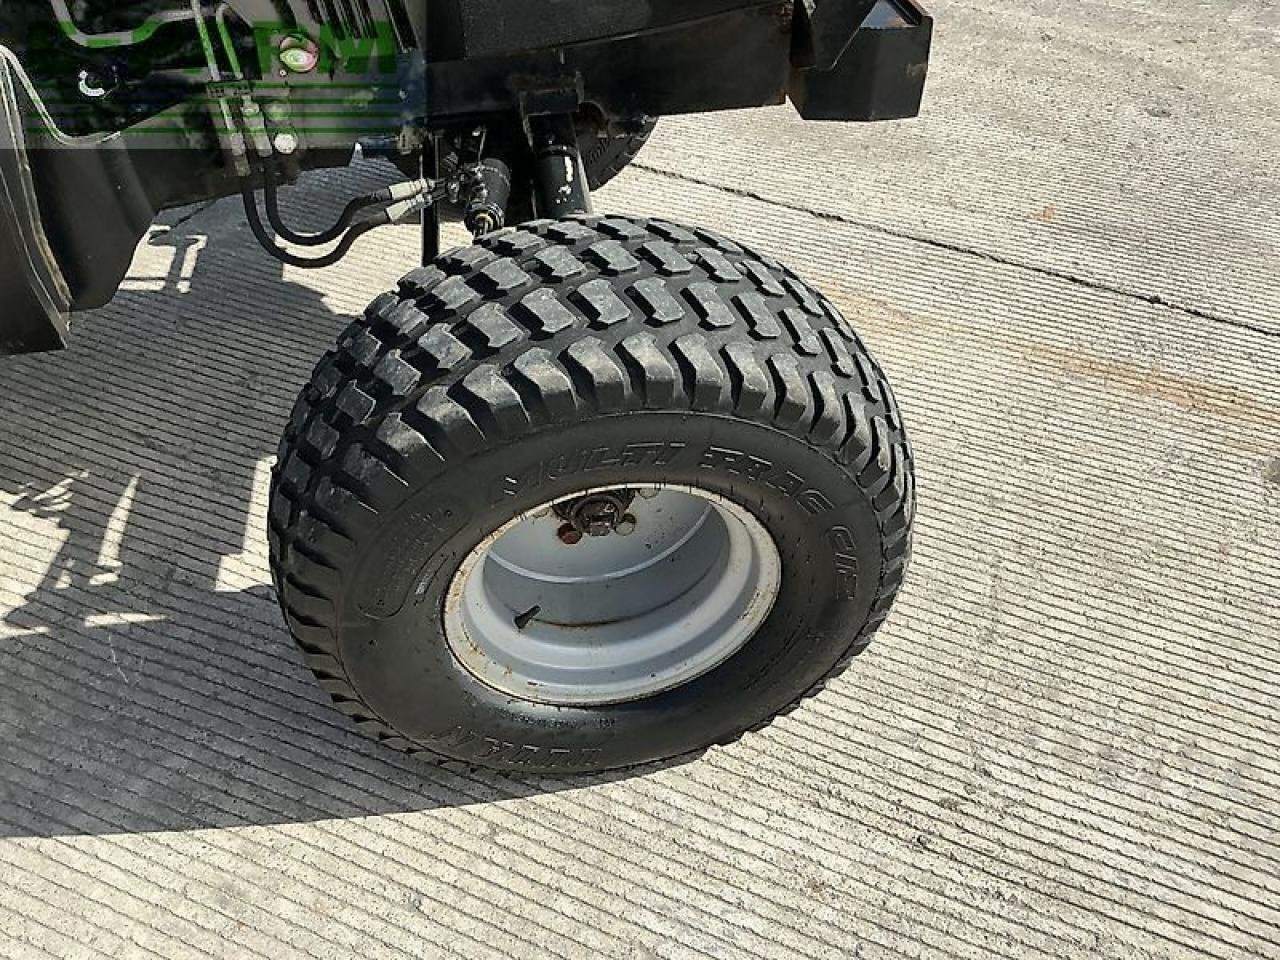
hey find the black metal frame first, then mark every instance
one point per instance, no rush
(521, 78)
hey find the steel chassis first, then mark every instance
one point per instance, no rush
(117, 111)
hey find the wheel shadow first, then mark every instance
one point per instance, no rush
(146, 681)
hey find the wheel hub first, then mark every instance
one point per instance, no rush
(596, 515)
(612, 595)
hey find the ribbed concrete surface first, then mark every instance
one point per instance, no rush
(1065, 743)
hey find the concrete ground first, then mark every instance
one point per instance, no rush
(1065, 743)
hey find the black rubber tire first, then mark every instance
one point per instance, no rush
(557, 356)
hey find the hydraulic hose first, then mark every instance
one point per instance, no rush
(397, 211)
(271, 199)
(307, 263)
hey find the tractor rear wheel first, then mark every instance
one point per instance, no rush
(588, 494)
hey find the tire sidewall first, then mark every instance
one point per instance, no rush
(391, 612)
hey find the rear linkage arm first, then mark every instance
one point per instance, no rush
(254, 154)
(480, 184)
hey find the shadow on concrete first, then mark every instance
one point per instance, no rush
(146, 680)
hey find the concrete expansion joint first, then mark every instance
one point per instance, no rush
(1153, 299)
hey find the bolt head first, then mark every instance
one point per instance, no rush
(299, 54)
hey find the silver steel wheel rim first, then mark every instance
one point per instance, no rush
(613, 618)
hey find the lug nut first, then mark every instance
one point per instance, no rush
(626, 526)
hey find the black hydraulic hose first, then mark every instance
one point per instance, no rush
(271, 200)
(284, 256)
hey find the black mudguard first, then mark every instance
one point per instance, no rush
(34, 296)
(74, 213)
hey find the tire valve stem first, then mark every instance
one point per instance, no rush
(524, 619)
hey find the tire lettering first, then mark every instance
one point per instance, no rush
(409, 548)
(508, 751)
(527, 754)
(789, 484)
(657, 454)
(844, 549)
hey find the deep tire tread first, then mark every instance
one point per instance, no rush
(551, 323)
